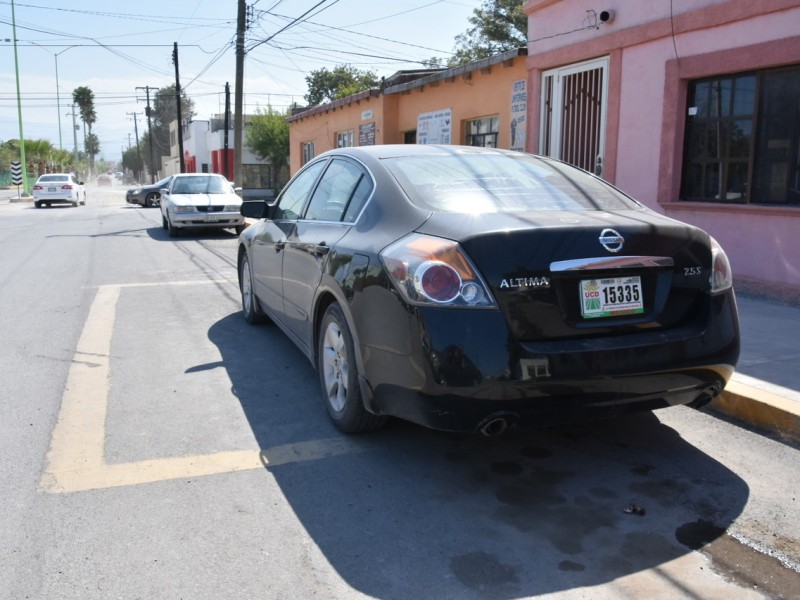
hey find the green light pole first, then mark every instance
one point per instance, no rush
(19, 106)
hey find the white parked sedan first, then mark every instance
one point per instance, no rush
(200, 200)
(58, 188)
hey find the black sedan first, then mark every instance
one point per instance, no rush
(471, 289)
(147, 195)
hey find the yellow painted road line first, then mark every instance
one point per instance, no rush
(76, 458)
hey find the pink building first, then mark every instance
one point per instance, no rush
(690, 106)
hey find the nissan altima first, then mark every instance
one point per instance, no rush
(472, 289)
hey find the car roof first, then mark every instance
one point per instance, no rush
(397, 150)
(196, 175)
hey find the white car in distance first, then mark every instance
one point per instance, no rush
(58, 188)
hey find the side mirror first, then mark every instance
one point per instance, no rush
(254, 209)
(163, 191)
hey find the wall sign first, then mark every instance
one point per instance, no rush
(434, 127)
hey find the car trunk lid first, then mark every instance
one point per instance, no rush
(562, 275)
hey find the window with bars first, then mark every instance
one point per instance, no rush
(483, 132)
(308, 151)
(346, 139)
(742, 138)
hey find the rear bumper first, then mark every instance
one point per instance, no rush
(466, 368)
(56, 199)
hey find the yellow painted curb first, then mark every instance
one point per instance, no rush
(760, 408)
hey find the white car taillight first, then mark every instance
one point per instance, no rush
(436, 271)
(721, 274)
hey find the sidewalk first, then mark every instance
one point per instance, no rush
(765, 390)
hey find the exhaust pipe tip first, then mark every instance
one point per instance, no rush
(706, 395)
(496, 425)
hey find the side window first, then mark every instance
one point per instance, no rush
(340, 194)
(291, 202)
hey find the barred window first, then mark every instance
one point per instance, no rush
(742, 140)
(483, 132)
(346, 139)
(308, 151)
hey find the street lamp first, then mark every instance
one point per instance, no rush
(58, 93)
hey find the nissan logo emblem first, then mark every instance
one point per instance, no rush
(611, 240)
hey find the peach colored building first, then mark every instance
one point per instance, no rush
(690, 106)
(481, 103)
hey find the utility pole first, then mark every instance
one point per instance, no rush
(148, 112)
(237, 117)
(138, 149)
(178, 100)
(227, 126)
(74, 138)
(19, 105)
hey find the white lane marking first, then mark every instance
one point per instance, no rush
(76, 458)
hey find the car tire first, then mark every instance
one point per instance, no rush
(163, 222)
(37, 204)
(75, 204)
(250, 308)
(239, 229)
(338, 376)
(84, 199)
(172, 231)
(150, 200)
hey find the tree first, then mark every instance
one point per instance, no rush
(92, 147)
(497, 26)
(163, 112)
(268, 137)
(132, 160)
(84, 98)
(344, 80)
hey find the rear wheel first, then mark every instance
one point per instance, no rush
(338, 376)
(37, 204)
(250, 309)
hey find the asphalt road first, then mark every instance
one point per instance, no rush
(154, 445)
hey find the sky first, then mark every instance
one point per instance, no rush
(119, 48)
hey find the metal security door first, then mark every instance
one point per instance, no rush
(574, 114)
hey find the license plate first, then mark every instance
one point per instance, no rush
(52, 189)
(611, 297)
(211, 219)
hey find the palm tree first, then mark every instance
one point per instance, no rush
(84, 98)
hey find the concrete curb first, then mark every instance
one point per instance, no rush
(761, 405)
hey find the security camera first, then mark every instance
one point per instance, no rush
(607, 16)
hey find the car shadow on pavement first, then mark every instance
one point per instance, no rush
(160, 234)
(408, 512)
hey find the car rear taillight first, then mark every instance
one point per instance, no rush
(432, 270)
(38, 187)
(437, 281)
(66, 187)
(721, 277)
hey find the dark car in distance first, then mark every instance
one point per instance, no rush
(473, 289)
(147, 195)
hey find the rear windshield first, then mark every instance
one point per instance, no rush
(481, 183)
(51, 178)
